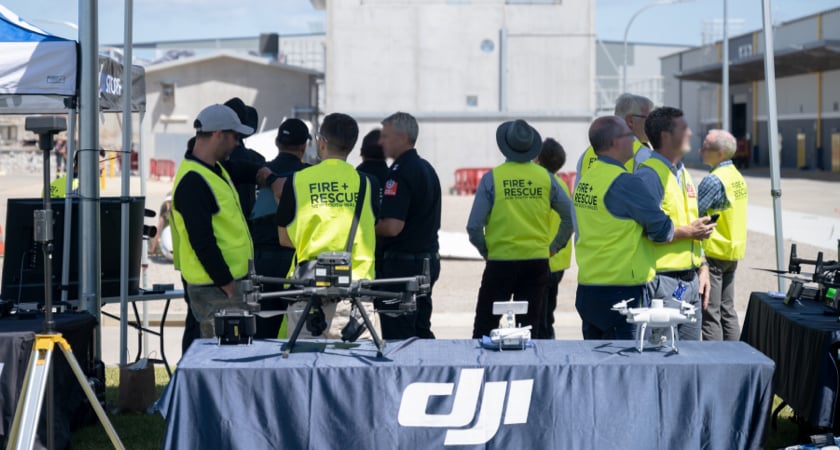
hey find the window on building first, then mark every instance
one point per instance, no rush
(167, 92)
(8, 134)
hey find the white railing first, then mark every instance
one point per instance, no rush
(608, 89)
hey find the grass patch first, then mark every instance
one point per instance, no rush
(136, 431)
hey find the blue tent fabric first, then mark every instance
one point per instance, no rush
(34, 62)
(15, 29)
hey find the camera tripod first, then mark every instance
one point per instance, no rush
(328, 288)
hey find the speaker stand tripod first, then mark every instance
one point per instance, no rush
(28, 410)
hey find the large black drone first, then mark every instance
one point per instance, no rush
(826, 275)
(331, 281)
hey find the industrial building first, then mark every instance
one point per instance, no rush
(807, 53)
(462, 68)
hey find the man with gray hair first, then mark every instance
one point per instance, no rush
(634, 110)
(408, 224)
(722, 192)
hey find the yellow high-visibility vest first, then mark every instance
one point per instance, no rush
(680, 204)
(229, 228)
(609, 250)
(518, 226)
(729, 238)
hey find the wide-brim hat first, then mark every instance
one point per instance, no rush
(518, 141)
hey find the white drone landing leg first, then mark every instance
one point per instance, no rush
(640, 330)
(674, 339)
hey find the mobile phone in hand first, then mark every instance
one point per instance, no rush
(714, 218)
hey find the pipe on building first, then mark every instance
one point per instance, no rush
(502, 70)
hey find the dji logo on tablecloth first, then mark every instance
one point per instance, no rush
(415, 399)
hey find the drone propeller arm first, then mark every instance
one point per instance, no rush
(274, 280)
(377, 294)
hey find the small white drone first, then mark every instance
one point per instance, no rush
(510, 336)
(658, 317)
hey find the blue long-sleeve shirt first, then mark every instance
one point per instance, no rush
(483, 203)
(629, 198)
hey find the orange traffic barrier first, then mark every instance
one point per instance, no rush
(569, 179)
(161, 168)
(467, 179)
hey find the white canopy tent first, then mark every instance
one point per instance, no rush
(37, 69)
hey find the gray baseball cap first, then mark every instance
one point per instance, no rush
(220, 118)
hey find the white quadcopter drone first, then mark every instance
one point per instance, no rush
(510, 337)
(658, 317)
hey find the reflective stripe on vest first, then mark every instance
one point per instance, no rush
(326, 196)
(680, 204)
(518, 225)
(589, 157)
(609, 250)
(229, 228)
(563, 259)
(729, 239)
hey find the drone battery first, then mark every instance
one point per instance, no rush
(235, 327)
(333, 269)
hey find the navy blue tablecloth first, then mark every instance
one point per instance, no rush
(425, 394)
(16, 339)
(803, 339)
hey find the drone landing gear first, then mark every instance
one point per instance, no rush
(642, 327)
(316, 300)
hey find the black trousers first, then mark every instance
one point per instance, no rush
(271, 262)
(550, 304)
(524, 280)
(191, 328)
(419, 324)
(594, 305)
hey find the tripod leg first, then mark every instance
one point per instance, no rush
(94, 402)
(298, 327)
(380, 345)
(25, 424)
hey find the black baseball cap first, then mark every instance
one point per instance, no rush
(293, 132)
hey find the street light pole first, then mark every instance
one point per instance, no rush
(627, 30)
(725, 76)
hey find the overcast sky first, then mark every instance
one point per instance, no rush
(158, 20)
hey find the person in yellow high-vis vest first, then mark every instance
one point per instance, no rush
(211, 243)
(509, 225)
(722, 192)
(680, 268)
(618, 221)
(552, 156)
(315, 215)
(634, 109)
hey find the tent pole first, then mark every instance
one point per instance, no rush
(773, 138)
(126, 181)
(68, 201)
(144, 257)
(90, 277)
